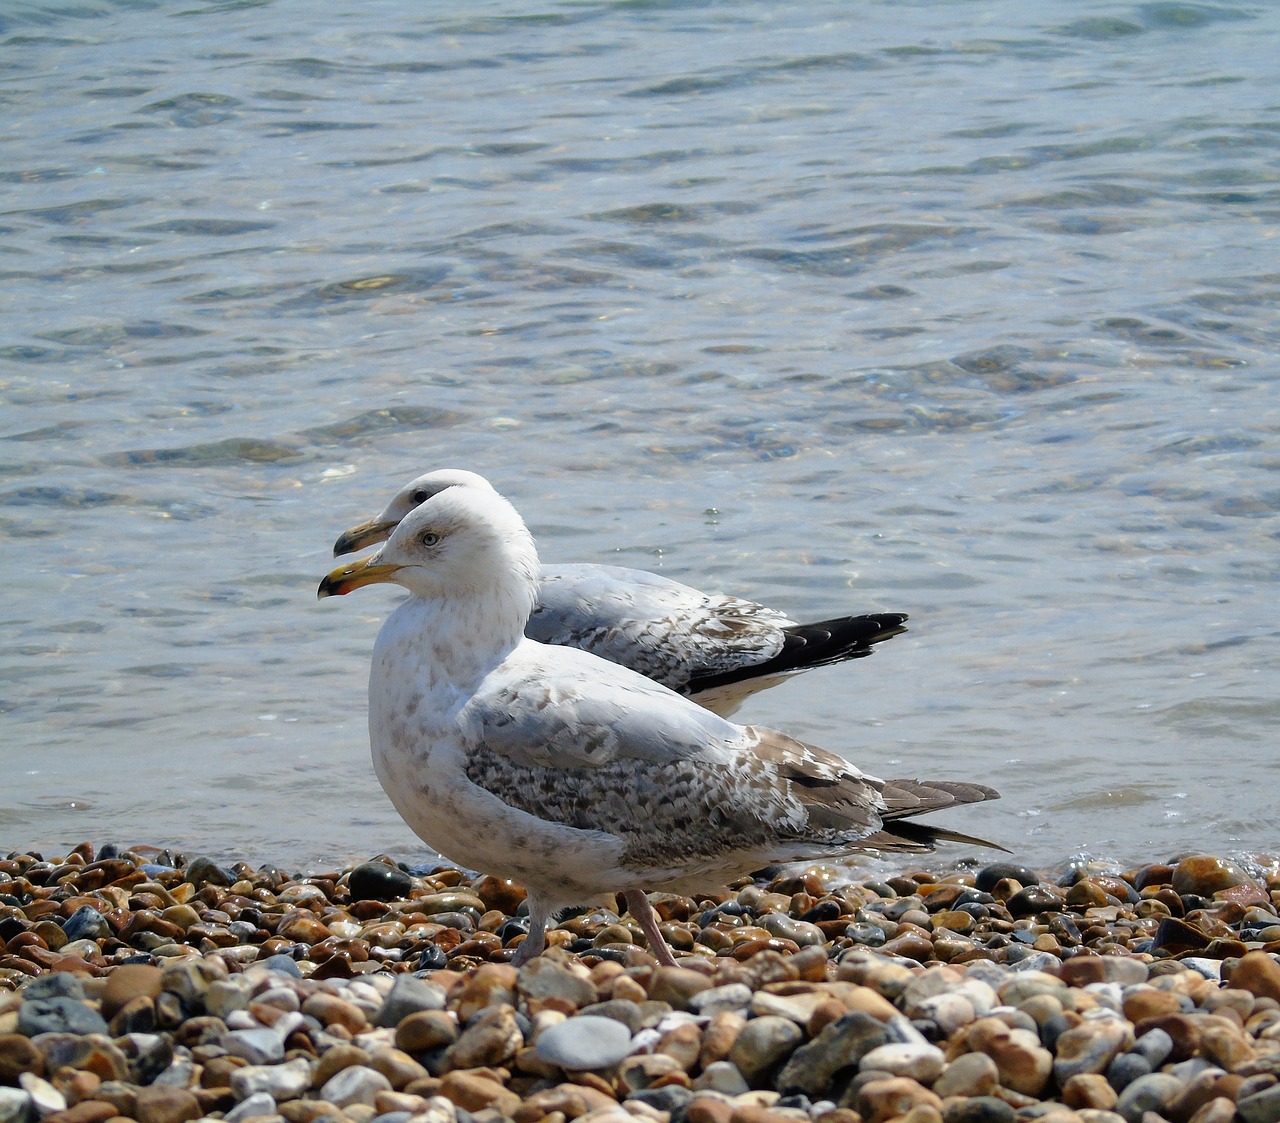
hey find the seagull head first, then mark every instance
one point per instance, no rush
(461, 543)
(412, 495)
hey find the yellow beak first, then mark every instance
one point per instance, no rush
(347, 577)
(358, 537)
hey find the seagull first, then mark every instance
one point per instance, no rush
(717, 649)
(573, 775)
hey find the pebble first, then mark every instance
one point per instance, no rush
(354, 1085)
(764, 1043)
(970, 1074)
(585, 1042)
(166, 994)
(378, 881)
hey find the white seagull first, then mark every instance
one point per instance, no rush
(717, 649)
(573, 775)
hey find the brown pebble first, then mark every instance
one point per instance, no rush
(490, 1040)
(566, 1100)
(308, 1111)
(159, 1103)
(397, 1066)
(335, 1059)
(426, 1029)
(706, 1109)
(1089, 1090)
(332, 1010)
(1209, 1085)
(1259, 974)
(676, 985)
(719, 1035)
(1146, 1002)
(18, 1055)
(683, 1043)
(1221, 1110)
(474, 1092)
(492, 984)
(86, 1111)
(499, 893)
(1204, 876)
(881, 1100)
(127, 982)
(217, 1071)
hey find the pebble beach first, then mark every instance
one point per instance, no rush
(144, 985)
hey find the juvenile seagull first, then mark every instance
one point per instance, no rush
(719, 650)
(573, 775)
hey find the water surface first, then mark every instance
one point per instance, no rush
(964, 310)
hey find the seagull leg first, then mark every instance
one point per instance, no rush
(534, 943)
(639, 907)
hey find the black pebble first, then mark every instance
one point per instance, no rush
(432, 959)
(823, 910)
(377, 881)
(989, 876)
(86, 923)
(205, 871)
(1031, 900)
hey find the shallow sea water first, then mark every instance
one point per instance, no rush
(964, 310)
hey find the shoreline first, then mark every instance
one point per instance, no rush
(131, 990)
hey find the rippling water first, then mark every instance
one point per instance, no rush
(964, 310)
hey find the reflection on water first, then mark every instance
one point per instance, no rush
(963, 313)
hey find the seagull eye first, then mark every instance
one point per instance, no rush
(420, 496)
(430, 538)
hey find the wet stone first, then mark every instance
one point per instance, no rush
(1203, 876)
(378, 881)
(990, 876)
(86, 923)
(204, 871)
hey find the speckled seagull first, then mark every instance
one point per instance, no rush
(571, 774)
(719, 650)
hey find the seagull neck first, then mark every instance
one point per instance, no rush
(468, 635)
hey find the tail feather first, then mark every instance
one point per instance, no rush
(918, 797)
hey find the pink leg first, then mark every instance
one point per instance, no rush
(639, 907)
